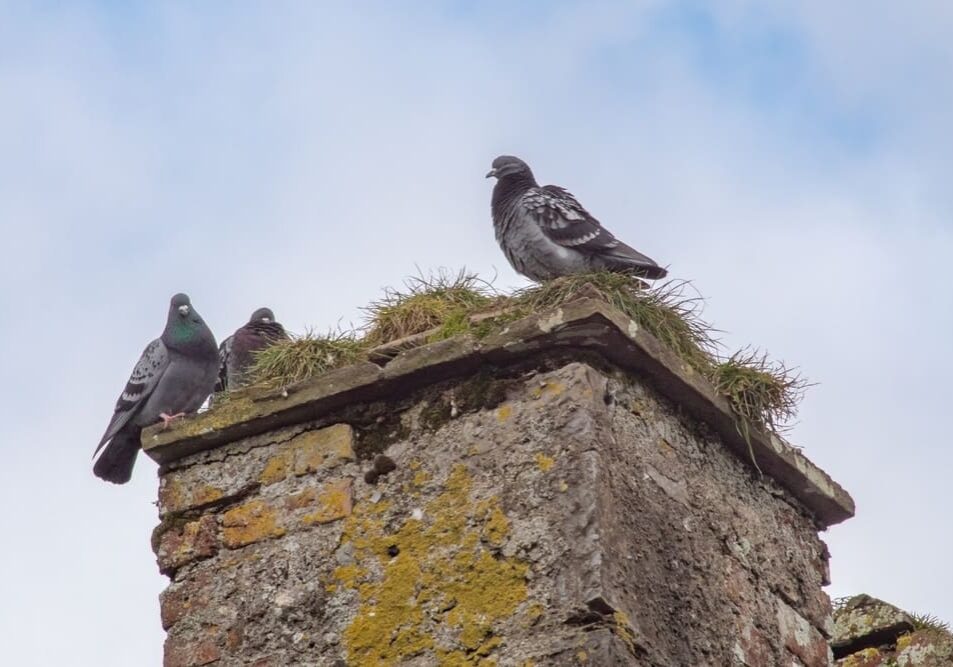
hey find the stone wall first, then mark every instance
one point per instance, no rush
(872, 633)
(547, 506)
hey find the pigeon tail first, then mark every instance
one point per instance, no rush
(629, 260)
(117, 460)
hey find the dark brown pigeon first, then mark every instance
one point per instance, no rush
(236, 353)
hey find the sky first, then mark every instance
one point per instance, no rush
(791, 159)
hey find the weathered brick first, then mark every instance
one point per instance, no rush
(308, 452)
(333, 502)
(801, 638)
(191, 652)
(191, 541)
(176, 496)
(186, 597)
(251, 522)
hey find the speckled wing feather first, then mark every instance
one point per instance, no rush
(145, 376)
(564, 221)
(224, 351)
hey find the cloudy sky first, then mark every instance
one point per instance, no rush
(793, 162)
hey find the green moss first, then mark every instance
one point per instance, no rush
(375, 438)
(442, 574)
(435, 413)
(481, 392)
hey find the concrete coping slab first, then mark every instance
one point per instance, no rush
(585, 324)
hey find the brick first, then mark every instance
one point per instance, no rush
(334, 502)
(176, 496)
(251, 522)
(183, 544)
(801, 638)
(309, 452)
(185, 652)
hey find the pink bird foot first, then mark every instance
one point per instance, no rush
(168, 419)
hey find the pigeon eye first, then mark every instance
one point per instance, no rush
(184, 309)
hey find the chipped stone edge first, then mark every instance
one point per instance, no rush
(588, 324)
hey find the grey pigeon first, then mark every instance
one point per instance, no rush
(236, 353)
(174, 376)
(546, 233)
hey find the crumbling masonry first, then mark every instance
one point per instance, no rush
(566, 492)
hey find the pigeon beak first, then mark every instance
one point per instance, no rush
(266, 320)
(490, 173)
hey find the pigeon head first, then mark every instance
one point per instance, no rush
(263, 315)
(185, 328)
(508, 165)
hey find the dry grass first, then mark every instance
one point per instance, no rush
(440, 300)
(302, 357)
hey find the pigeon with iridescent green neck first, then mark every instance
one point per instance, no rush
(237, 352)
(174, 376)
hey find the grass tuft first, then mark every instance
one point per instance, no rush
(442, 301)
(446, 304)
(670, 312)
(765, 392)
(930, 623)
(302, 357)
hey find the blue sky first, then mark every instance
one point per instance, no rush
(792, 160)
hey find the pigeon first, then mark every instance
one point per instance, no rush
(174, 376)
(236, 351)
(545, 232)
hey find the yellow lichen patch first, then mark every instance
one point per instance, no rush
(324, 447)
(496, 526)
(504, 412)
(421, 477)
(276, 468)
(308, 452)
(254, 521)
(563, 486)
(544, 462)
(548, 389)
(175, 497)
(582, 657)
(864, 658)
(302, 499)
(623, 628)
(334, 502)
(429, 573)
(347, 575)
(236, 409)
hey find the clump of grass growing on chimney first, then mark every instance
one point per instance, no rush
(765, 392)
(930, 623)
(441, 301)
(302, 357)
(671, 312)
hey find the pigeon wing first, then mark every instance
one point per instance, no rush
(145, 376)
(224, 352)
(564, 221)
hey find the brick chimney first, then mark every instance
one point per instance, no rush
(565, 492)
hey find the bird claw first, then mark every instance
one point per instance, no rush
(168, 419)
